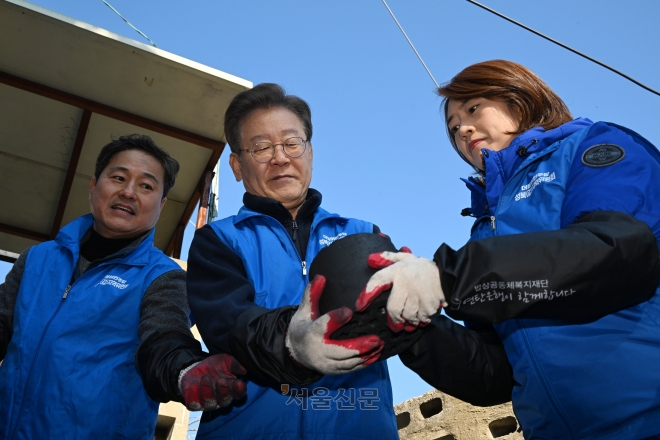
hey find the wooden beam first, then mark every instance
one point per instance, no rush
(8, 257)
(25, 233)
(204, 199)
(111, 112)
(71, 172)
(177, 241)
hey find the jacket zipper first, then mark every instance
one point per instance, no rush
(518, 171)
(523, 330)
(36, 354)
(294, 226)
(303, 264)
(483, 181)
(43, 335)
(492, 217)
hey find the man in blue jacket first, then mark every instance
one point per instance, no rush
(77, 314)
(247, 274)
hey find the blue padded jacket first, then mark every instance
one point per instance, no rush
(70, 369)
(350, 406)
(597, 380)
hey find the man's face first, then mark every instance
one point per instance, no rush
(284, 179)
(127, 199)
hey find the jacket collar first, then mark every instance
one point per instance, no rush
(501, 165)
(71, 235)
(275, 209)
(257, 205)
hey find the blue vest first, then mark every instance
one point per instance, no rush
(70, 372)
(356, 405)
(589, 381)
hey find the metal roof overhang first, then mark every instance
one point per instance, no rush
(66, 89)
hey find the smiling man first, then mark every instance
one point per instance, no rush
(247, 274)
(94, 327)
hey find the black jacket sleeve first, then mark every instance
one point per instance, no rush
(166, 344)
(469, 364)
(8, 296)
(257, 340)
(160, 359)
(222, 302)
(604, 262)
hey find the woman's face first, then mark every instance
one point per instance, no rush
(480, 123)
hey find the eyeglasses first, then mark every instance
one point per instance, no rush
(263, 152)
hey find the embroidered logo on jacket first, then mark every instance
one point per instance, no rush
(602, 155)
(114, 281)
(329, 240)
(538, 178)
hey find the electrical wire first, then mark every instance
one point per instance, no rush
(411, 45)
(564, 46)
(129, 23)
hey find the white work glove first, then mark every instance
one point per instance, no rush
(308, 337)
(416, 292)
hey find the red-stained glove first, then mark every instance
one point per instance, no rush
(416, 292)
(308, 337)
(212, 383)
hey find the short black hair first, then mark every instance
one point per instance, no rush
(263, 96)
(144, 144)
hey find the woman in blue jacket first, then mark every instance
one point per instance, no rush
(560, 276)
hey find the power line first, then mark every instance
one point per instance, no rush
(411, 45)
(129, 23)
(564, 46)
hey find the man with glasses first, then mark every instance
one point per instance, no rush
(247, 275)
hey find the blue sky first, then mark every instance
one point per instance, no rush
(380, 151)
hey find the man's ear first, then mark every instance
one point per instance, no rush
(235, 164)
(311, 155)
(92, 184)
(162, 203)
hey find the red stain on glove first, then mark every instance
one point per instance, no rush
(212, 383)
